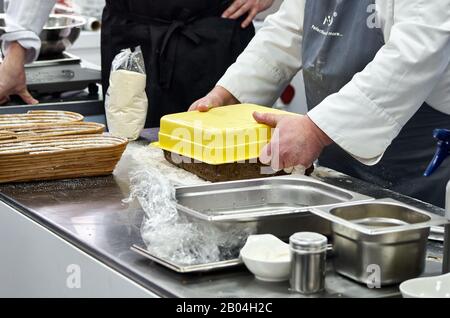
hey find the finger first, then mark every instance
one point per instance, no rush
(287, 161)
(239, 13)
(265, 156)
(194, 106)
(27, 98)
(233, 8)
(201, 105)
(204, 108)
(267, 118)
(299, 170)
(289, 170)
(249, 18)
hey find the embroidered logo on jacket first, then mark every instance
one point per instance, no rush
(329, 20)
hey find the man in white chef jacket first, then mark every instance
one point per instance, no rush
(377, 78)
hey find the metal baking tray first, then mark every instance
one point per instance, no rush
(253, 200)
(185, 269)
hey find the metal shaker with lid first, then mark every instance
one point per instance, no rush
(308, 262)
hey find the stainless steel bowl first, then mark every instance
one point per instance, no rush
(58, 35)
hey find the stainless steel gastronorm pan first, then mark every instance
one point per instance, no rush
(278, 205)
(382, 240)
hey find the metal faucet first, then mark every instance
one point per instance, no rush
(442, 152)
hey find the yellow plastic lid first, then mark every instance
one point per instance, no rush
(222, 135)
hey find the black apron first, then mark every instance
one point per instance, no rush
(187, 47)
(337, 44)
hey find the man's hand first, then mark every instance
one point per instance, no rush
(12, 75)
(251, 7)
(296, 141)
(219, 96)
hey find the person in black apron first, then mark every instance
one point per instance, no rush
(329, 63)
(187, 47)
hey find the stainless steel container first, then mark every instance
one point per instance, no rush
(381, 242)
(280, 205)
(308, 262)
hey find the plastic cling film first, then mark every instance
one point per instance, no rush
(171, 235)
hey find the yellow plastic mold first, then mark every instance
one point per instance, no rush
(222, 135)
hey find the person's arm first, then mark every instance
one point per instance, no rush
(24, 21)
(369, 112)
(12, 75)
(267, 65)
(20, 45)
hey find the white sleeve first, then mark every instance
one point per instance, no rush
(24, 21)
(271, 59)
(370, 111)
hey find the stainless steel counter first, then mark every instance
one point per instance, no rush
(89, 214)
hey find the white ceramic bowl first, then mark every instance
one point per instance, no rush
(427, 287)
(267, 257)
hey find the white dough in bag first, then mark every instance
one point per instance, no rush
(126, 103)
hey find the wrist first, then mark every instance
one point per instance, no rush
(223, 96)
(321, 136)
(16, 52)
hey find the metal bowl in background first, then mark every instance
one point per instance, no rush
(59, 34)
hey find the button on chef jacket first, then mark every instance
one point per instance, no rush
(366, 115)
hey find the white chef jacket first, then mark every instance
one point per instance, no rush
(24, 21)
(369, 112)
